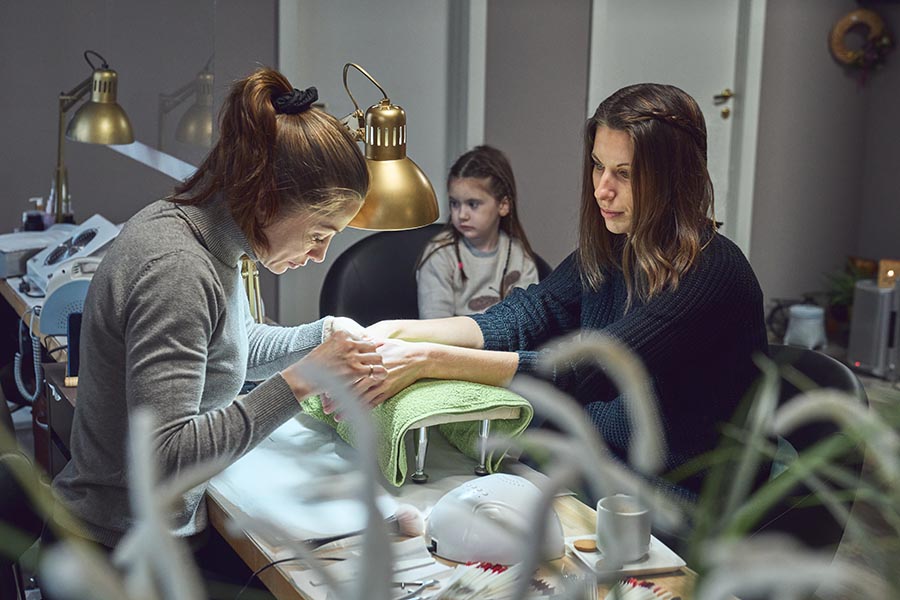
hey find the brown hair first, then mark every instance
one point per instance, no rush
(268, 164)
(670, 187)
(489, 163)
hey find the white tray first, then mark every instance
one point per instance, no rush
(661, 558)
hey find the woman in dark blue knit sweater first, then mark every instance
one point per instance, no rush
(650, 270)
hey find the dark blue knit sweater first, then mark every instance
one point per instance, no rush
(696, 341)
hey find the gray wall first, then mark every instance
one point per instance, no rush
(42, 45)
(827, 157)
(879, 225)
(155, 47)
(535, 109)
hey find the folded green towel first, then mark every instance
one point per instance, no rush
(435, 401)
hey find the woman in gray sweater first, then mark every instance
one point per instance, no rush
(166, 322)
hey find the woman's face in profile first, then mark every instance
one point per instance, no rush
(298, 238)
(612, 154)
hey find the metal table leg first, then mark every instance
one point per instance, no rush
(421, 448)
(483, 433)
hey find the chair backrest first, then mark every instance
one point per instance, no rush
(375, 278)
(811, 522)
(825, 371)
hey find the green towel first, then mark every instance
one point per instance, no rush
(432, 398)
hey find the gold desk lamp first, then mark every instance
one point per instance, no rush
(99, 121)
(195, 126)
(400, 195)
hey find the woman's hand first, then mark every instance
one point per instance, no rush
(452, 331)
(346, 324)
(383, 330)
(405, 363)
(354, 360)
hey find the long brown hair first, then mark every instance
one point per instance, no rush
(490, 164)
(269, 164)
(670, 187)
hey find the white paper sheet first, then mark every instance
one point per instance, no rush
(272, 481)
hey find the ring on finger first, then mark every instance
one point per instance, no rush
(371, 370)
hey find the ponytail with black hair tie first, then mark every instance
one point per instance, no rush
(295, 101)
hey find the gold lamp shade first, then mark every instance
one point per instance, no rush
(400, 195)
(196, 125)
(101, 120)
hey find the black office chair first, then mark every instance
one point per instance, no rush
(375, 278)
(800, 515)
(16, 513)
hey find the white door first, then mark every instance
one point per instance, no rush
(704, 47)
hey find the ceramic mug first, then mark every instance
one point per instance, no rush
(623, 528)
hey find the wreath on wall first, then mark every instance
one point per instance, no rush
(874, 51)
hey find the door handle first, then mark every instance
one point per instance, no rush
(723, 96)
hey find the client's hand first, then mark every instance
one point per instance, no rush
(383, 330)
(353, 360)
(405, 363)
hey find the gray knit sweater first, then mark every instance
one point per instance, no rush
(167, 326)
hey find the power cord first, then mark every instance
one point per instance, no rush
(25, 288)
(29, 397)
(263, 568)
(58, 349)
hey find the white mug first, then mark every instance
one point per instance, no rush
(623, 528)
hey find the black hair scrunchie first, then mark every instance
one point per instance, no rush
(295, 101)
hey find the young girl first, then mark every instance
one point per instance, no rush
(482, 253)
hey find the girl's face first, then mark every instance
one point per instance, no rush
(612, 155)
(303, 236)
(475, 213)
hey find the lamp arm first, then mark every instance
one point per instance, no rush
(357, 132)
(168, 102)
(68, 99)
(357, 113)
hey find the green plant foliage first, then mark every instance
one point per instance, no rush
(841, 284)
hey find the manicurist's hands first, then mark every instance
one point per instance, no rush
(351, 359)
(346, 324)
(405, 363)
